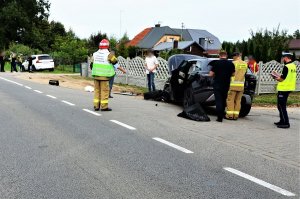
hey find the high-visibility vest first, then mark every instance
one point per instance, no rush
(101, 65)
(238, 81)
(289, 84)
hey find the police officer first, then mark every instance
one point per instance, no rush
(102, 71)
(286, 84)
(236, 90)
(222, 70)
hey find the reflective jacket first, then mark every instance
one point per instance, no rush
(101, 65)
(238, 81)
(289, 84)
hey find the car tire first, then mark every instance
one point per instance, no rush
(188, 99)
(245, 108)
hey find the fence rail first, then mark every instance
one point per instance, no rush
(136, 74)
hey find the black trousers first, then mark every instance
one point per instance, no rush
(2, 63)
(13, 67)
(221, 98)
(282, 98)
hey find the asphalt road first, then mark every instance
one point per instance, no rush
(52, 145)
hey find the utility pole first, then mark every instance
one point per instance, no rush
(121, 11)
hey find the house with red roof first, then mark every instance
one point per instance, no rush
(164, 38)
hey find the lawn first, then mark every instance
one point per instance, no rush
(271, 99)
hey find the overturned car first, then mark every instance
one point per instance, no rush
(190, 84)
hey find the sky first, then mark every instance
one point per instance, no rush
(229, 20)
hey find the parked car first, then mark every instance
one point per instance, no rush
(40, 62)
(189, 83)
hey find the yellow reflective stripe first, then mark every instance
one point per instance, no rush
(96, 100)
(236, 112)
(104, 101)
(239, 85)
(230, 112)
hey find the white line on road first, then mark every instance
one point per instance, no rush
(53, 97)
(69, 103)
(11, 81)
(29, 88)
(91, 112)
(173, 145)
(260, 182)
(124, 125)
(37, 91)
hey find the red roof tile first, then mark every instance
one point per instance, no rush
(136, 40)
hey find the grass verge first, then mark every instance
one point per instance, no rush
(271, 100)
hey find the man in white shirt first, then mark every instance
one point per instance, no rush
(151, 66)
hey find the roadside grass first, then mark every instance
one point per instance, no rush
(271, 100)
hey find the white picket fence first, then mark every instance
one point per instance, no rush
(136, 74)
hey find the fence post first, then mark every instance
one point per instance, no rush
(261, 64)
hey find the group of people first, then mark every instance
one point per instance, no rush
(16, 62)
(229, 81)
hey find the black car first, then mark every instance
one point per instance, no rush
(190, 84)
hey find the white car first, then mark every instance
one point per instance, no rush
(40, 62)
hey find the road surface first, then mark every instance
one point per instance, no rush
(52, 145)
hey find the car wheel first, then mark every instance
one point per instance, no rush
(245, 108)
(188, 99)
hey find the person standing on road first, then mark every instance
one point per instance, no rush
(151, 66)
(2, 61)
(222, 70)
(13, 62)
(114, 61)
(102, 71)
(237, 86)
(30, 62)
(287, 83)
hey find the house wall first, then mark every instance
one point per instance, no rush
(195, 50)
(168, 38)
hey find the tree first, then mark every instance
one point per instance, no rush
(69, 50)
(18, 18)
(94, 40)
(296, 34)
(122, 48)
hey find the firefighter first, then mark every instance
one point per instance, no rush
(253, 65)
(287, 83)
(102, 71)
(236, 90)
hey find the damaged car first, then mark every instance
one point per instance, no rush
(190, 84)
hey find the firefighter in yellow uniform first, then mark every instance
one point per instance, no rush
(102, 71)
(236, 90)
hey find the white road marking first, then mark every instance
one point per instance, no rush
(92, 112)
(173, 145)
(11, 81)
(37, 91)
(260, 182)
(124, 125)
(29, 88)
(69, 103)
(53, 97)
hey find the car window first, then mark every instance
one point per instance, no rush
(45, 57)
(33, 58)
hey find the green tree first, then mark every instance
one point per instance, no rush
(296, 34)
(69, 50)
(18, 19)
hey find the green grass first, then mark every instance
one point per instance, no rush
(271, 99)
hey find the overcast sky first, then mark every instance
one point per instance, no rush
(229, 20)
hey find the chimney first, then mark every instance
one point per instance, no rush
(175, 44)
(157, 25)
(202, 42)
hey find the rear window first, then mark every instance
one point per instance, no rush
(45, 57)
